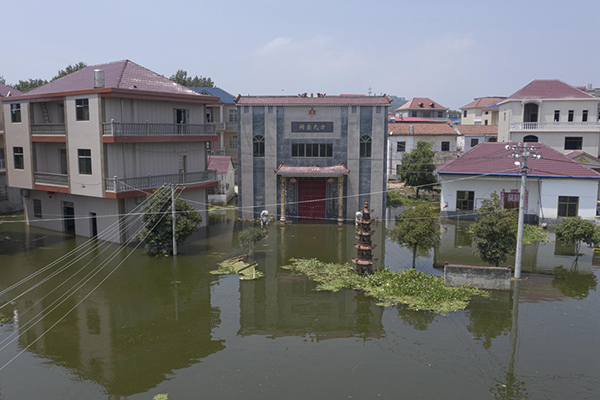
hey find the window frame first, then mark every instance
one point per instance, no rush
(465, 200)
(584, 116)
(233, 142)
(233, 115)
(528, 139)
(573, 142)
(464, 113)
(82, 109)
(571, 116)
(312, 150)
(400, 147)
(84, 161)
(475, 141)
(445, 146)
(18, 158)
(258, 146)
(565, 202)
(37, 208)
(15, 113)
(556, 115)
(366, 144)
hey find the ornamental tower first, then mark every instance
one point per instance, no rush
(364, 260)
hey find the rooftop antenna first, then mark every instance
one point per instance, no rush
(370, 90)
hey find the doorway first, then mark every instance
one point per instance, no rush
(311, 198)
(93, 225)
(69, 217)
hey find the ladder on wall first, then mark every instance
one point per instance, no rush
(45, 114)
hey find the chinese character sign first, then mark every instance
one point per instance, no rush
(312, 126)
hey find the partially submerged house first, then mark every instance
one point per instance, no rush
(10, 198)
(557, 186)
(225, 190)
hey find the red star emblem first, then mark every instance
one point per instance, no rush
(312, 112)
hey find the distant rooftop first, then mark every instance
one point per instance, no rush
(226, 98)
(5, 90)
(318, 100)
(219, 163)
(549, 89)
(421, 103)
(482, 102)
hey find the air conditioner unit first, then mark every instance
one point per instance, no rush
(25, 193)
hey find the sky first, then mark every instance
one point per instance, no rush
(448, 51)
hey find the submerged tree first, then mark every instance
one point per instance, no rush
(417, 228)
(417, 168)
(494, 232)
(182, 78)
(575, 230)
(249, 237)
(157, 233)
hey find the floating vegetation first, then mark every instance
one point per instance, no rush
(416, 289)
(237, 266)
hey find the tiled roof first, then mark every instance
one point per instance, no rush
(426, 102)
(312, 170)
(5, 89)
(478, 129)
(313, 101)
(549, 89)
(421, 129)
(219, 163)
(226, 98)
(493, 159)
(482, 102)
(493, 107)
(119, 74)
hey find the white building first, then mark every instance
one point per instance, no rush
(552, 112)
(480, 111)
(557, 187)
(422, 107)
(10, 198)
(87, 147)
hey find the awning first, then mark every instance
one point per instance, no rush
(312, 170)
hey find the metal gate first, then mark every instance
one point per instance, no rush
(311, 198)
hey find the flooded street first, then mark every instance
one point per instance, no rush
(166, 325)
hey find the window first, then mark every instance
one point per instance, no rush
(232, 115)
(413, 114)
(474, 142)
(85, 161)
(18, 158)
(426, 114)
(465, 200)
(15, 113)
(270, 109)
(573, 143)
(530, 139)
(312, 150)
(465, 114)
(567, 206)
(233, 142)
(571, 112)
(365, 147)
(584, 116)
(556, 115)
(445, 146)
(37, 208)
(82, 109)
(493, 139)
(401, 146)
(486, 122)
(487, 112)
(353, 109)
(440, 114)
(259, 146)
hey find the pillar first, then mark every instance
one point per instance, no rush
(341, 200)
(282, 219)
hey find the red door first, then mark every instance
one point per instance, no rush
(311, 197)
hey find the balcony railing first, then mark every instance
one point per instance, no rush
(152, 129)
(555, 126)
(225, 126)
(47, 178)
(48, 129)
(154, 181)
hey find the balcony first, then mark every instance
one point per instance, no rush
(225, 126)
(136, 184)
(48, 129)
(152, 129)
(51, 182)
(555, 126)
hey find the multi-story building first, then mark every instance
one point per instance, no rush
(312, 157)
(480, 111)
(85, 148)
(10, 198)
(559, 115)
(422, 107)
(224, 116)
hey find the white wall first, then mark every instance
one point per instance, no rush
(18, 135)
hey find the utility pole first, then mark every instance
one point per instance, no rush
(523, 152)
(174, 220)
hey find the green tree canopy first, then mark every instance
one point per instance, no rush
(157, 233)
(495, 231)
(575, 230)
(417, 227)
(69, 70)
(2, 80)
(417, 167)
(182, 78)
(248, 237)
(26, 86)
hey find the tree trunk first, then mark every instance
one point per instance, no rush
(414, 256)
(417, 192)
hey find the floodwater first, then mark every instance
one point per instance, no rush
(143, 326)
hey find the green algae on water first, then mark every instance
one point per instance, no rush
(416, 289)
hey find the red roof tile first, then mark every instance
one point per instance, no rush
(312, 170)
(421, 129)
(313, 101)
(478, 129)
(493, 159)
(119, 74)
(5, 89)
(549, 89)
(219, 163)
(426, 102)
(481, 102)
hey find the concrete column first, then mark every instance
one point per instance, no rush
(282, 219)
(221, 114)
(221, 135)
(341, 200)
